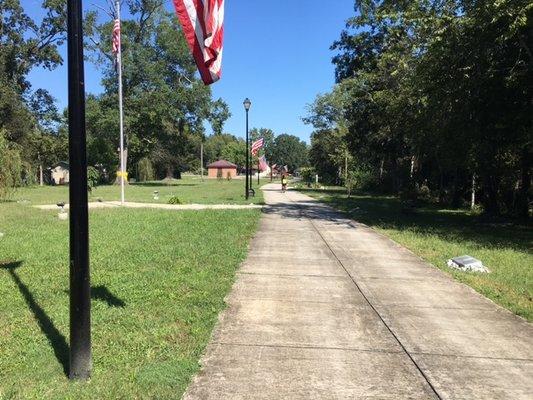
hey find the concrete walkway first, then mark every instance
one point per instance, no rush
(325, 308)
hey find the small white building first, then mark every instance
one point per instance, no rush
(60, 173)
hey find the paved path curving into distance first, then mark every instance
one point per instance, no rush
(326, 308)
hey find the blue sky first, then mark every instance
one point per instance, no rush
(275, 52)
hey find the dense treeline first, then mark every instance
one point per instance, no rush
(282, 150)
(29, 137)
(166, 105)
(433, 99)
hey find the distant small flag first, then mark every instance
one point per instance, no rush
(263, 166)
(115, 43)
(257, 145)
(203, 25)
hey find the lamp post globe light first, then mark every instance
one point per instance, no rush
(247, 103)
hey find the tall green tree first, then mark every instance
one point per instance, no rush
(289, 150)
(165, 103)
(433, 94)
(29, 118)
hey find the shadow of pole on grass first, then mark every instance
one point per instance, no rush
(103, 294)
(56, 339)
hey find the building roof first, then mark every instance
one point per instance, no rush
(221, 164)
(62, 164)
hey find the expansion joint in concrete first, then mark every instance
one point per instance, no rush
(371, 305)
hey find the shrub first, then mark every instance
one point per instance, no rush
(145, 170)
(92, 178)
(10, 169)
(307, 174)
(359, 178)
(29, 176)
(415, 194)
(174, 200)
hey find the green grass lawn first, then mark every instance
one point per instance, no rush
(437, 234)
(189, 189)
(158, 283)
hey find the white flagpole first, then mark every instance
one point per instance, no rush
(119, 66)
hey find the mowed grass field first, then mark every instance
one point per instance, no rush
(189, 189)
(438, 234)
(158, 282)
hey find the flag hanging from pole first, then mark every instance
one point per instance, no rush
(263, 165)
(257, 145)
(115, 43)
(203, 25)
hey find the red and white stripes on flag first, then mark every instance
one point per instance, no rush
(263, 166)
(257, 145)
(115, 41)
(203, 25)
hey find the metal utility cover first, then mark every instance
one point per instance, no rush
(467, 263)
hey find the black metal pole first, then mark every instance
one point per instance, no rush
(251, 171)
(258, 171)
(80, 288)
(247, 162)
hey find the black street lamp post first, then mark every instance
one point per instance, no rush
(80, 289)
(247, 103)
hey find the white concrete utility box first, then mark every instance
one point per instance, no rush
(467, 263)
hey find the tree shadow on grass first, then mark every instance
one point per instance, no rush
(56, 338)
(388, 212)
(162, 184)
(329, 191)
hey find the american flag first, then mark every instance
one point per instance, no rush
(115, 42)
(257, 145)
(263, 166)
(203, 25)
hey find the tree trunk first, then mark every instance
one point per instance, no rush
(117, 178)
(170, 172)
(473, 198)
(395, 177)
(41, 180)
(346, 167)
(456, 195)
(490, 196)
(525, 185)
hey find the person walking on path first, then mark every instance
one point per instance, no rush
(283, 183)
